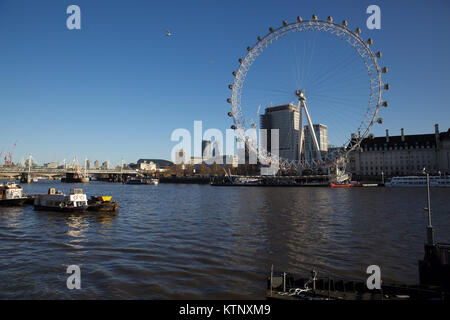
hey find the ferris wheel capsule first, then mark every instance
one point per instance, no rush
(384, 104)
(229, 100)
(314, 17)
(386, 86)
(330, 19)
(384, 69)
(233, 127)
(259, 38)
(378, 54)
(240, 60)
(358, 30)
(230, 114)
(230, 86)
(285, 23)
(299, 19)
(249, 49)
(234, 73)
(380, 120)
(345, 23)
(369, 41)
(271, 29)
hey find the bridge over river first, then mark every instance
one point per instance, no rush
(52, 174)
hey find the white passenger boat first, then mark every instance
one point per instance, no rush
(250, 181)
(76, 201)
(418, 181)
(152, 181)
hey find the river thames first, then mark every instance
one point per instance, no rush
(176, 241)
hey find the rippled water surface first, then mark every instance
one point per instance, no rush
(197, 241)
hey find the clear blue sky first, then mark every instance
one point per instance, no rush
(118, 87)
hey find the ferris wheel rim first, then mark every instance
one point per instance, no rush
(315, 25)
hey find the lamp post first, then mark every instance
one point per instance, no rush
(430, 234)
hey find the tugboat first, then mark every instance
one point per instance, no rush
(11, 194)
(76, 201)
(102, 204)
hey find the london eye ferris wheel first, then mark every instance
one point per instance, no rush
(325, 73)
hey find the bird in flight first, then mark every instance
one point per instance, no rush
(168, 33)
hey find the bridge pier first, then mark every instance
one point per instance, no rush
(116, 177)
(25, 178)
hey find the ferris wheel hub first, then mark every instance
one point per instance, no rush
(301, 95)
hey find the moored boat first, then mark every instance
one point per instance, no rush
(11, 194)
(103, 204)
(76, 201)
(249, 181)
(151, 181)
(418, 181)
(340, 185)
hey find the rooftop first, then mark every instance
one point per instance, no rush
(409, 140)
(282, 107)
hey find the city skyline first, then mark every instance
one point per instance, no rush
(63, 95)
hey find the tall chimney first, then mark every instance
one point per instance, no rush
(403, 135)
(387, 135)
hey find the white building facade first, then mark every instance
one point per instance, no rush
(402, 155)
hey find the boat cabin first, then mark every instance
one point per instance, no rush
(10, 190)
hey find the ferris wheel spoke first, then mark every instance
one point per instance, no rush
(332, 61)
(339, 99)
(337, 87)
(271, 90)
(337, 78)
(311, 56)
(339, 106)
(338, 68)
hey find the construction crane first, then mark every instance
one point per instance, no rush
(8, 156)
(2, 152)
(11, 153)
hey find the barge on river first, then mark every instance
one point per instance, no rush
(76, 201)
